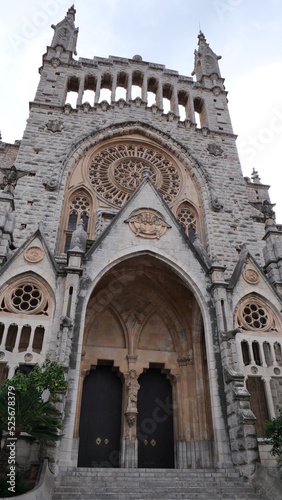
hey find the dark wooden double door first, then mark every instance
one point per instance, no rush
(100, 421)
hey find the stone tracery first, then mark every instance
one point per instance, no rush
(116, 172)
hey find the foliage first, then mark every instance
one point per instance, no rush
(273, 431)
(20, 486)
(38, 418)
(49, 376)
(28, 410)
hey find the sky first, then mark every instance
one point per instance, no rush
(246, 33)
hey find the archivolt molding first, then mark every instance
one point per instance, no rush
(178, 150)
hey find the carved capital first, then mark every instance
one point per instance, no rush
(186, 359)
(66, 322)
(131, 417)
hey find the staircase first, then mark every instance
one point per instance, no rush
(151, 484)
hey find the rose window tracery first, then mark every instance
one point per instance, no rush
(255, 315)
(116, 172)
(25, 297)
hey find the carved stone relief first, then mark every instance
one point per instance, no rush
(215, 149)
(34, 254)
(147, 223)
(251, 276)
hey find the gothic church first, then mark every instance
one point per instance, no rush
(134, 252)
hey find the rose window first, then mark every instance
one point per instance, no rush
(116, 172)
(254, 315)
(26, 297)
(128, 174)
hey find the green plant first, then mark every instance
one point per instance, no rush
(50, 376)
(27, 410)
(273, 431)
(20, 486)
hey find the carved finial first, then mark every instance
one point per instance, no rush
(255, 177)
(206, 61)
(243, 249)
(71, 12)
(65, 32)
(201, 37)
(79, 239)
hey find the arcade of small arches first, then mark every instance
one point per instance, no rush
(135, 85)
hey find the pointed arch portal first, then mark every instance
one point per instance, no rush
(143, 320)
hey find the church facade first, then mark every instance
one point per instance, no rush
(135, 253)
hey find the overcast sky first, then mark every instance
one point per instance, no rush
(246, 33)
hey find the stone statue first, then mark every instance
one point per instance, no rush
(79, 238)
(132, 390)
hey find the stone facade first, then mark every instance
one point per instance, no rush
(130, 238)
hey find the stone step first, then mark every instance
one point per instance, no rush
(151, 484)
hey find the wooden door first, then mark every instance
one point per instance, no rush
(155, 421)
(100, 420)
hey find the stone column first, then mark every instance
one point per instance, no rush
(174, 102)
(268, 395)
(159, 95)
(4, 337)
(129, 88)
(80, 91)
(145, 89)
(191, 110)
(114, 88)
(98, 89)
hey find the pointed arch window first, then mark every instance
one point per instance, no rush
(79, 209)
(186, 216)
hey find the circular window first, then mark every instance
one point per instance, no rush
(116, 172)
(255, 315)
(26, 297)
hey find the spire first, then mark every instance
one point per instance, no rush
(206, 61)
(65, 34)
(255, 177)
